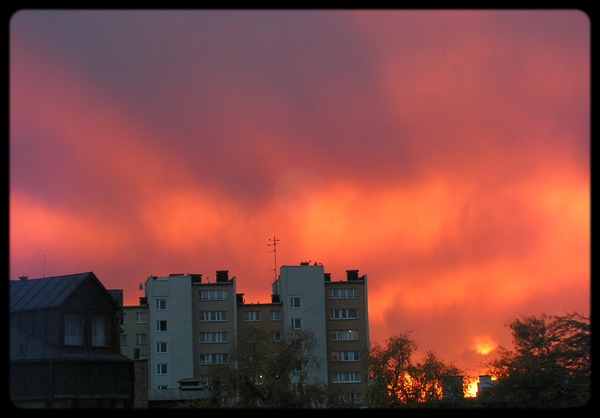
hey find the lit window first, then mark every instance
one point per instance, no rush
(344, 335)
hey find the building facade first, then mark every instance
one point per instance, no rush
(192, 323)
(134, 331)
(64, 344)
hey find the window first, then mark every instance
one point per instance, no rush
(295, 302)
(344, 335)
(161, 325)
(251, 315)
(123, 339)
(213, 337)
(344, 314)
(124, 320)
(141, 317)
(296, 323)
(99, 331)
(276, 336)
(345, 377)
(162, 387)
(275, 315)
(214, 358)
(213, 295)
(345, 356)
(259, 379)
(213, 316)
(161, 347)
(141, 339)
(136, 353)
(203, 381)
(161, 304)
(74, 329)
(161, 368)
(344, 293)
(352, 397)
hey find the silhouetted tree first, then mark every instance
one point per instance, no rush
(389, 370)
(430, 379)
(397, 381)
(550, 366)
(269, 374)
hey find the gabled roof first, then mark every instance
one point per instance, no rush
(32, 294)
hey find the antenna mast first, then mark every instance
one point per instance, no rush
(274, 251)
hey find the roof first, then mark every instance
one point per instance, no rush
(175, 395)
(33, 294)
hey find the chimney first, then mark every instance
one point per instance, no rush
(352, 275)
(327, 277)
(222, 275)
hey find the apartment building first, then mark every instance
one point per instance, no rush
(215, 323)
(134, 331)
(347, 325)
(192, 323)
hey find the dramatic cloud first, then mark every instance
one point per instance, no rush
(445, 154)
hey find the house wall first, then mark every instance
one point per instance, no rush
(44, 373)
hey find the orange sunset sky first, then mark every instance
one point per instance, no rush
(444, 153)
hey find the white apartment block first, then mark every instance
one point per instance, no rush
(192, 323)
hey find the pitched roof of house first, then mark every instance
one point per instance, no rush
(32, 294)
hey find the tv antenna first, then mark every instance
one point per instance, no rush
(274, 251)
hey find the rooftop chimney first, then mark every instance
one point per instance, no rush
(222, 275)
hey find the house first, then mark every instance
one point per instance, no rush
(64, 349)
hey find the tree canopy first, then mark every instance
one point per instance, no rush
(397, 381)
(550, 366)
(269, 374)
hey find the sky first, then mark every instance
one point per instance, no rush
(443, 153)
